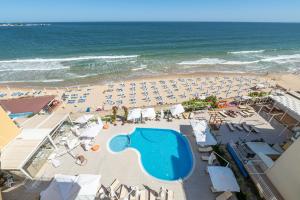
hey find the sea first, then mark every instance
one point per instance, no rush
(108, 51)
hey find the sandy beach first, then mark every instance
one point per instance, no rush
(153, 91)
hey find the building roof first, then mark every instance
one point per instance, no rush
(8, 129)
(44, 121)
(26, 104)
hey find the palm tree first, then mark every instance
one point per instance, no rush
(125, 113)
(114, 114)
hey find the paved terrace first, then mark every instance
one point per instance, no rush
(125, 165)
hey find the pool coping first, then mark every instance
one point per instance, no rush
(139, 154)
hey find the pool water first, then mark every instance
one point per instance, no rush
(20, 115)
(165, 154)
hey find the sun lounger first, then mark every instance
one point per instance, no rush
(245, 127)
(237, 126)
(142, 194)
(162, 195)
(114, 186)
(170, 195)
(254, 129)
(152, 196)
(224, 196)
(124, 192)
(204, 149)
(222, 113)
(230, 127)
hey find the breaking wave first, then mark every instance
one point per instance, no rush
(245, 52)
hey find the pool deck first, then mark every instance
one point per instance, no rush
(125, 165)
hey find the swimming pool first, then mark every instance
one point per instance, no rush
(165, 154)
(20, 115)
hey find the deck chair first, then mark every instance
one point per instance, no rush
(170, 195)
(245, 127)
(142, 194)
(162, 195)
(224, 196)
(124, 192)
(237, 126)
(133, 194)
(205, 149)
(230, 127)
(114, 186)
(254, 129)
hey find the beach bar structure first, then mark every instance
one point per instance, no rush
(28, 105)
(29, 150)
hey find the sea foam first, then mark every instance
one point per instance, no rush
(41, 60)
(246, 52)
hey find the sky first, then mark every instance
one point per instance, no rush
(149, 10)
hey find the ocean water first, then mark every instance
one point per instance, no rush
(72, 52)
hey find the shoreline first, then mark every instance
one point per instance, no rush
(287, 80)
(96, 80)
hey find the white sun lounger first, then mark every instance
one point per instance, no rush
(237, 126)
(114, 186)
(253, 128)
(170, 195)
(224, 196)
(205, 149)
(162, 195)
(230, 127)
(124, 192)
(142, 194)
(246, 127)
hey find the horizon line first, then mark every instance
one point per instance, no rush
(150, 21)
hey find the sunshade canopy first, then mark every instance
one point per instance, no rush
(223, 179)
(148, 113)
(288, 103)
(66, 187)
(134, 114)
(83, 119)
(14, 155)
(176, 109)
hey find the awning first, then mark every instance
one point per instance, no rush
(223, 179)
(262, 147)
(83, 119)
(15, 155)
(176, 109)
(288, 103)
(202, 133)
(134, 114)
(148, 113)
(66, 187)
(44, 121)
